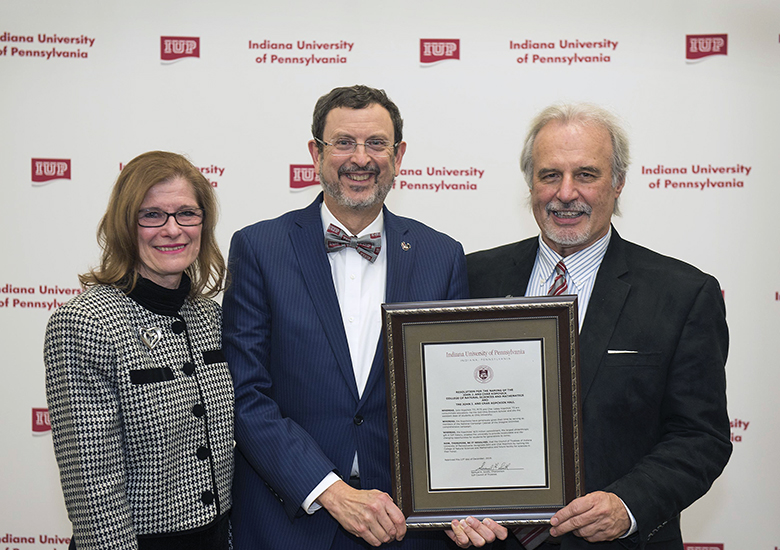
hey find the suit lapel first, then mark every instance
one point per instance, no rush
(523, 255)
(308, 244)
(606, 303)
(400, 262)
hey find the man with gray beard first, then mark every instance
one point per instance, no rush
(653, 340)
(302, 338)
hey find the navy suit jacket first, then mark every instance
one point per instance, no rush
(298, 415)
(655, 425)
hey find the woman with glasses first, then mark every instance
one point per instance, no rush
(139, 393)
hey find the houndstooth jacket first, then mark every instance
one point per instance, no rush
(141, 408)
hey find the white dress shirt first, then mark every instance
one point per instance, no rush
(360, 289)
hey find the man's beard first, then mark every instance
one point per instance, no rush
(380, 191)
(562, 235)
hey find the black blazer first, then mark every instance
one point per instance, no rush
(653, 349)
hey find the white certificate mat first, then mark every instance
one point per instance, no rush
(485, 415)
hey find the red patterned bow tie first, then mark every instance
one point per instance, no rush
(368, 247)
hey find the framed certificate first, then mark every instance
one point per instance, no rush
(483, 407)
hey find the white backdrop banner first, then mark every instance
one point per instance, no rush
(88, 85)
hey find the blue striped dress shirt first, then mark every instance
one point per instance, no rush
(581, 270)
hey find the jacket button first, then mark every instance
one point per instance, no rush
(198, 410)
(203, 453)
(177, 327)
(207, 497)
(189, 368)
(358, 420)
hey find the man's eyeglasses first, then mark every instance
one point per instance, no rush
(154, 217)
(343, 147)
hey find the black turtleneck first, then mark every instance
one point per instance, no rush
(158, 299)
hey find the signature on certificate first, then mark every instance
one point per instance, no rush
(494, 468)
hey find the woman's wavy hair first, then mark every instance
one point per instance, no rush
(117, 232)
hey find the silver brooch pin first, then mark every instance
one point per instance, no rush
(150, 336)
(405, 246)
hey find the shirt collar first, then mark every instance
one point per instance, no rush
(376, 226)
(579, 265)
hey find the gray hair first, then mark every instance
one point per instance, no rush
(585, 114)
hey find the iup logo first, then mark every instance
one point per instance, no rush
(483, 374)
(704, 45)
(176, 47)
(302, 176)
(44, 170)
(40, 421)
(439, 49)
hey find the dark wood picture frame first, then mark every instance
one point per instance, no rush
(408, 327)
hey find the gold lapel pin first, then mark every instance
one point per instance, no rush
(405, 246)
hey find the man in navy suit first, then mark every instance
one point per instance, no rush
(302, 337)
(653, 340)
